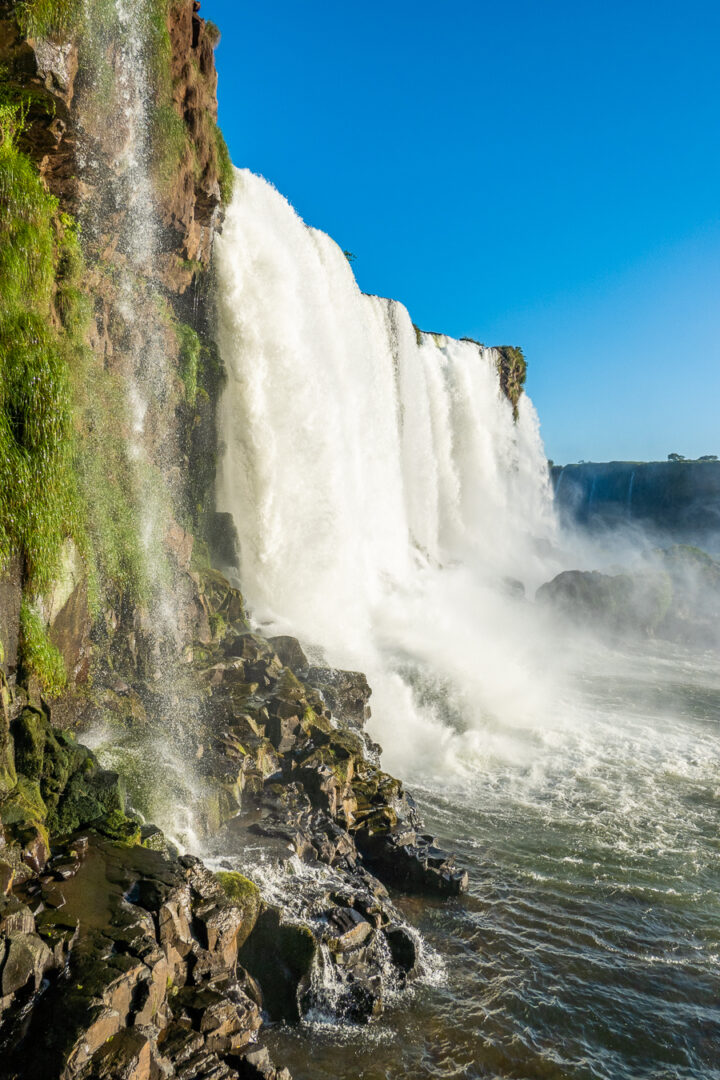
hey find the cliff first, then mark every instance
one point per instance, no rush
(117, 955)
(680, 499)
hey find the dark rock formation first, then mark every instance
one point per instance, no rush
(137, 951)
(678, 499)
(675, 595)
(117, 957)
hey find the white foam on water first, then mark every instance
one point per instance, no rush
(381, 489)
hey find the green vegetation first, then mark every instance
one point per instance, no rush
(212, 33)
(171, 145)
(106, 481)
(226, 175)
(40, 312)
(190, 349)
(512, 371)
(49, 18)
(38, 656)
(63, 459)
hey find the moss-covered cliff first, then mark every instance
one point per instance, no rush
(115, 626)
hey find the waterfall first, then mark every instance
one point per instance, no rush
(114, 158)
(380, 488)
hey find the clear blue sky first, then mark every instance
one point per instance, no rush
(535, 173)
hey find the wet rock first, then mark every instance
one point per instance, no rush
(257, 1065)
(15, 917)
(290, 652)
(139, 938)
(26, 960)
(279, 954)
(418, 867)
(403, 948)
(349, 929)
(347, 693)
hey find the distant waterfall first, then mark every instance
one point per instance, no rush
(367, 465)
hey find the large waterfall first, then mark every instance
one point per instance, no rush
(378, 481)
(392, 515)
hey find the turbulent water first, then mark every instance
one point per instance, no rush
(393, 516)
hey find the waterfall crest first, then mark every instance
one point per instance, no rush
(372, 470)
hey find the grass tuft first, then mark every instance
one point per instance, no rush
(38, 656)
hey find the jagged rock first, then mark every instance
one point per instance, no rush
(403, 948)
(127, 1055)
(349, 928)
(141, 924)
(418, 866)
(346, 692)
(26, 960)
(256, 1065)
(279, 954)
(290, 652)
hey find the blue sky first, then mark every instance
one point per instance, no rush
(535, 173)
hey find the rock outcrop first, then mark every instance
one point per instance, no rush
(675, 499)
(118, 956)
(673, 595)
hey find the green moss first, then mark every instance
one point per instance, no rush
(38, 656)
(190, 350)
(212, 34)
(171, 146)
(38, 498)
(107, 486)
(124, 830)
(245, 895)
(24, 806)
(50, 18)
(226, 175)
(30, 736)
(512, 371)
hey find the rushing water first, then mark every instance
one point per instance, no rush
(391, 514)
(588, 947)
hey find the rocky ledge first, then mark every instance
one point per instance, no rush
(120, 958)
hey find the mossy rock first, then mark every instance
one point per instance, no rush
(24, 809)
(120, 828)
(346, 744)
(313, 722)
(30, 733)
(280, 955)
(243, 894)
(8, 773)
(91, 794)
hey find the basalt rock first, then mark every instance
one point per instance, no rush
(139, 956)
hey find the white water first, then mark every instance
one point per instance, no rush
(381, 490)
(381, 493)
(116, 164)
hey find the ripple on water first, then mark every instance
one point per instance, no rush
(588, 947)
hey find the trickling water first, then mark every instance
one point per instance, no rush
(630, 494)
(383, 496)
(114, 157)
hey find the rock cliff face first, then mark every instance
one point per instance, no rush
(117, 956)
(677, 498)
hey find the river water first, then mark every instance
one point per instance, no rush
(588, 946)
(393, 515)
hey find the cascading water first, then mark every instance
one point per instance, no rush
(117, 169)
(388, 510)
(374, 473)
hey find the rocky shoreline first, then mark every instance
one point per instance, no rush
(135, 961)
(119, 956)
